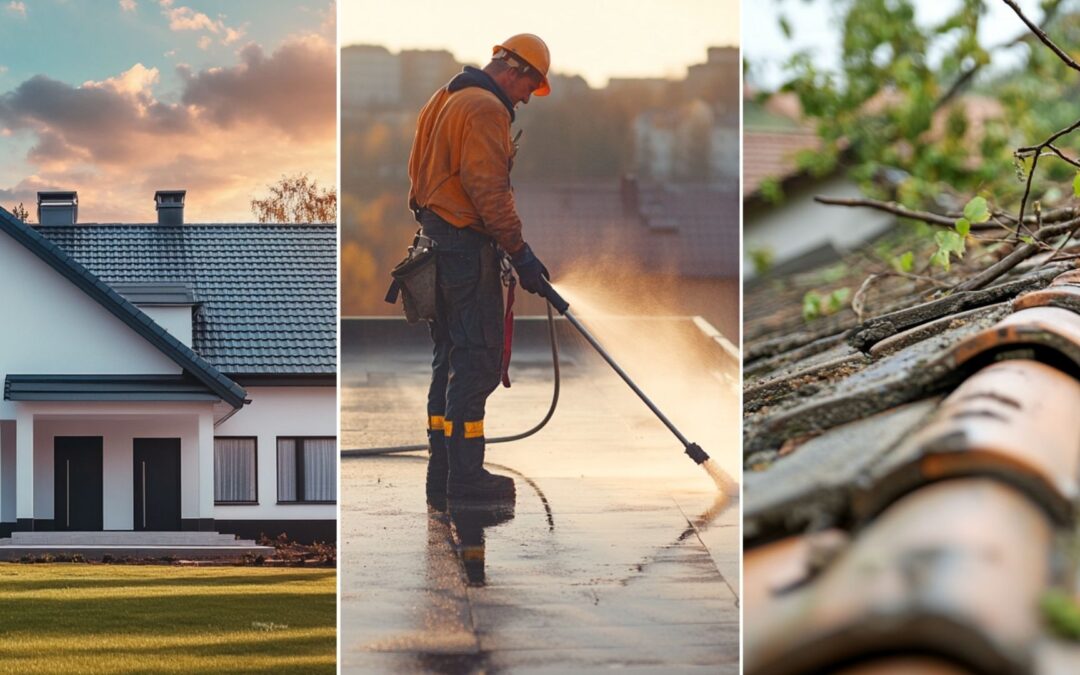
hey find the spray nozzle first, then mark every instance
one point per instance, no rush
(696, 453)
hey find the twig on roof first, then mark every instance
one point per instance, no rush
(895, 209)
(1019, 254)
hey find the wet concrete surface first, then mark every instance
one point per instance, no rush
(618, 552)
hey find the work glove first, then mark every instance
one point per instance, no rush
(530, 270)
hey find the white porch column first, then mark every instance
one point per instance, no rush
(24, 468)
(206, 468)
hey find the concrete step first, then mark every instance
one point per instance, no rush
(124, 538)
(127, 544)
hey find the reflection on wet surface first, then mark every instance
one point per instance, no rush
(617, 553)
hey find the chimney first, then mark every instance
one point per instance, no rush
(59, 207)
(170, 206)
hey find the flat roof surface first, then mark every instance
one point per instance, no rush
(619, 551)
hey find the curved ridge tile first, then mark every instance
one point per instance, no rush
(1014, 420)
(954, 569)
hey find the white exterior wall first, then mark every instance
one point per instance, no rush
(173, 318)
(51, 326)
(799, 224)
(274, 412)
(118, 424)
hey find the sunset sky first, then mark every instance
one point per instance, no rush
(596, 39)
(119, 98)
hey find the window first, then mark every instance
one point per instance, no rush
(235, 471)
(307, 470)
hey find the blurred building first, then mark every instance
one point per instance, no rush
(423, 71)
(370, 76)
(716, 80)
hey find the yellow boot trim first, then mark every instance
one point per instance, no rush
(448, 428)
(474, 429)
(436, 422)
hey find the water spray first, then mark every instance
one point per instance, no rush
(723, 481)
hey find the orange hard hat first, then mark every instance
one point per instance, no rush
(534, 52)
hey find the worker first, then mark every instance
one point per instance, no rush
(459, 170)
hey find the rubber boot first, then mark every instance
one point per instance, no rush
(468, 478)
(437, 466)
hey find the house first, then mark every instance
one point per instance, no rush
(167, 376)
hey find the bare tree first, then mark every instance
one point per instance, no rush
(21, 213)
(296, 199)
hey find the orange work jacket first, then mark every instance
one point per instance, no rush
(460, 163)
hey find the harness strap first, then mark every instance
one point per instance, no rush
(508, 331)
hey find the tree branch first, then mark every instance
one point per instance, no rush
(1017, 256)
(897, 210)
(1039, 33)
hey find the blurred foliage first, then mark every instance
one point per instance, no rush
(1062, 613)
(296, 199)
(911, 101)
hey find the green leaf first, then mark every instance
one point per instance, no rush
(837, 300)
(785, 26)
(950, 242)
(963, 226)
(941, 259)
(977, 211)
(1076, 185)
(811, 306)
(904, 263)
(1027, 239)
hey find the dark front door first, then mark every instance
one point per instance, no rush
(157, 484)
(77, 485)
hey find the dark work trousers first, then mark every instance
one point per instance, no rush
(468, 337)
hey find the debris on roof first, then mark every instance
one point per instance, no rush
(911, 471)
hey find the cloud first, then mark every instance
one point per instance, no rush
(3, 69)
(107, 121)
(188, 19)
(128, 5)
(232, 35)
(234, 130)
(291, 89)
(17, 8)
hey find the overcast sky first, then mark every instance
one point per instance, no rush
(597, 39)
(816, 25)
(119, 98)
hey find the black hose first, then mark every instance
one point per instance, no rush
(375, 452)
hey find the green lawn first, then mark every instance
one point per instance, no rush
(70, 618)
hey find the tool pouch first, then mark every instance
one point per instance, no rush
(414, 278)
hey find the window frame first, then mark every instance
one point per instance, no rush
(299, 459)
(255, 451)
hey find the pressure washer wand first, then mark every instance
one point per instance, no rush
(563, 307)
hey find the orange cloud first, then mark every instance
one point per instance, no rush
(235, 130)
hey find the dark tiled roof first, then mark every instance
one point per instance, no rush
(267, 294)
(92, 285)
